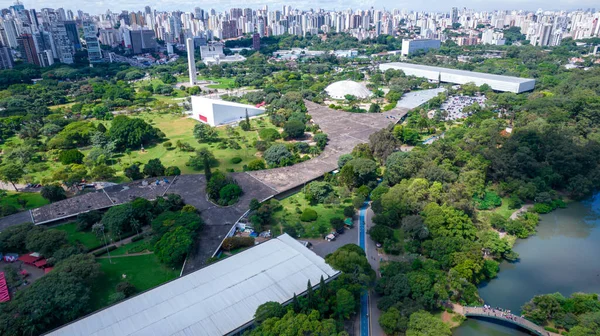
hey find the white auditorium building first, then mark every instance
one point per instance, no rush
(219, 112)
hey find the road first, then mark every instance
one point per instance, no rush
(362, 242)
(374, 259)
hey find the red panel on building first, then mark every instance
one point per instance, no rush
(203, 118)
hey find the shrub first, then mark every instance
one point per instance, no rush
(236, 160)
(514, 202)
(126, 288)
(103, 250)
(294, 129)
(229, 194)
(167, 144)
(490, 200)
(349, 211)
(173, 171)
(309, 215)
(256, 164)
(232, 243)
(542, 208)
(70, 156)
(358, 201)
(269, 134)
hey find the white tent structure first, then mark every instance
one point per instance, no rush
(339, 90)
(220, 299)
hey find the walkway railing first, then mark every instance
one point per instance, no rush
(507, 317)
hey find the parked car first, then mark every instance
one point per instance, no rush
(330, 237)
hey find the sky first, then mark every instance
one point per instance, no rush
(100, 6)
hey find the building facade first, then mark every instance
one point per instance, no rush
(409, 47)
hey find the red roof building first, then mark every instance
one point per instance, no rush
(4, 295)
(29, 258)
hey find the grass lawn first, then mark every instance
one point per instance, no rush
(503, 209)
(87, 238)
(222, 83)
(144, 272)
(312, 229)
(34, 200)
(134, 247)
(176, 128)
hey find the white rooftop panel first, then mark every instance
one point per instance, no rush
(217, 299)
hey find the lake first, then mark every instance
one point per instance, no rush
(561, 257)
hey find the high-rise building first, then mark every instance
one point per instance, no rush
(454, 15)
(409, 47)
(255, 41)
(189, 43)
(140, 41)
(6, 59)
(46, 58)
(27, 46)
(73, 34)
(91, 42)
(63, 45)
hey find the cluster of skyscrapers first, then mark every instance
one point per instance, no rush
(49, 35)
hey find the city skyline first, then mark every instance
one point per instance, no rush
(101, 6)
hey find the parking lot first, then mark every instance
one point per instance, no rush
(322, 247)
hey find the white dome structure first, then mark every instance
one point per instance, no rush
(339, 90)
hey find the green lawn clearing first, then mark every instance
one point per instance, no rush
(139, 246)
(144, 272)
(87, 238)
(315, 229)
(32, 200)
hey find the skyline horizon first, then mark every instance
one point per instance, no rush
(330, 5)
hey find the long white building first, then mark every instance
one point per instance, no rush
(219, 112)
(220, 299)
(496, 82)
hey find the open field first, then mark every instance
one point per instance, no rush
(176, 128)
(144, 272)
(33, 200)
(87, 238)
(289, 214)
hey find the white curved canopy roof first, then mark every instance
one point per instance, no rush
(339, 90)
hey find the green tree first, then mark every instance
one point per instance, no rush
(131, 132)
(133, 172)
(46, 242)
(70, 156)
(172, 171)
(423, 323)
(393, 322)
(294, 129)
(12, 239)
(11, 173)
(174, 246)
(268, 310)
(154, 168)
(277, 155)
(345, 303)
(205, 133)
(380, 233)
(53, 192)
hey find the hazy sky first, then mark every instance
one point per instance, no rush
(100, 6)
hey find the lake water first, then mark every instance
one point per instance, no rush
(561, 257)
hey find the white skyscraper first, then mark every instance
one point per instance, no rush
(191, 60)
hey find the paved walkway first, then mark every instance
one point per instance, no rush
(523, 209)
(125, 255)
(500, 315)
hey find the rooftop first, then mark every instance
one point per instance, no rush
(459, 72)
(215, 300)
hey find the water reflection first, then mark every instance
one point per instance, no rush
(561, 257)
